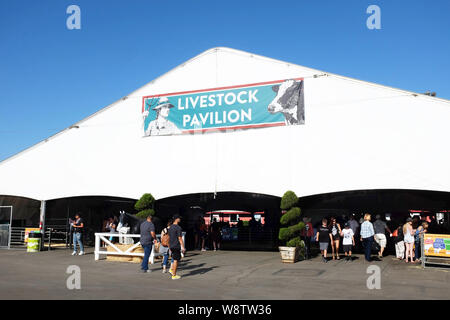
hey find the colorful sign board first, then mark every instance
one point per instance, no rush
(230, 234)
(437, 245)
(27, 232)
(264, 104)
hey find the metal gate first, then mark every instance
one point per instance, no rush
(5, 226)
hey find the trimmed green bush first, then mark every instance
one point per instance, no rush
(145, 202)
(290, 232)
(145, 213)
(291, 217)
(288, 200)
(295, 242)
(145, 206)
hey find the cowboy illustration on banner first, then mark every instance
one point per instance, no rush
(161, 125)
(267, 104)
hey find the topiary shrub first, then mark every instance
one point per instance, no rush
(145, 206)
(288, 200)
(290, 221)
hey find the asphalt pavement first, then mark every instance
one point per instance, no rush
(217, 275)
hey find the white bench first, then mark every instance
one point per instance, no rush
(104, 236)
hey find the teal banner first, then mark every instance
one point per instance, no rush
(268, 104)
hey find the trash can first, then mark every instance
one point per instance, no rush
(34, 242)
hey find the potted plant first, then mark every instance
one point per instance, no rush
(291, 226)
(145, 206)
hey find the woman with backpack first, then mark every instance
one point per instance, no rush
(164, 248)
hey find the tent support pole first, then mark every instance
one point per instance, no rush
(42, 222)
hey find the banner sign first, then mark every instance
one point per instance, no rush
(230, 234)
(437, 245)
(264, 104)
(28, 231)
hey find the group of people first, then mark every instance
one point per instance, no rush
(203, 233)
(406, 237)
(407, 240)
(110, 225)
(171, 242)
(331, 233)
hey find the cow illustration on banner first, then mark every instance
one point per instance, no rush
(265, 104)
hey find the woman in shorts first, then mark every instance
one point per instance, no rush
(408, 238)
(335, 230)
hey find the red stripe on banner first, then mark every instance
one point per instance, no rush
(264, 125)
(214, 89)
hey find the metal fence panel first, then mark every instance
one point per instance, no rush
(5, 226)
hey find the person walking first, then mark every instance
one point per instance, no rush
(306, 234)
(399, 243)
(335, 229)
(78, 228)
(408, 238)
(215, 234)
(354, 225)
(176, 245)
(324, 237)
(164, 248)
(203, 233)
(367, 233)
(380, 228)
(148, 238)
(348, 241)
(197, 233)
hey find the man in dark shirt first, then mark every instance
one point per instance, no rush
(176, 245)
(324, 237)
(148, 237)
(380, 228)
(78, 226)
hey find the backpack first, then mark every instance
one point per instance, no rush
(165, 238)
(395, 233)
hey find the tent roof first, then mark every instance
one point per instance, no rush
(337, 109)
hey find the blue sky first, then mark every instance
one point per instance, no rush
(52, 77)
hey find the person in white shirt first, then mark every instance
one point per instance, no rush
(348, 241)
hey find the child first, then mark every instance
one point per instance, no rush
(348, 241)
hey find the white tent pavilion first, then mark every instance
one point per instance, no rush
(357, 135)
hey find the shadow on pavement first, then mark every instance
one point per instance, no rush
(198, 271)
